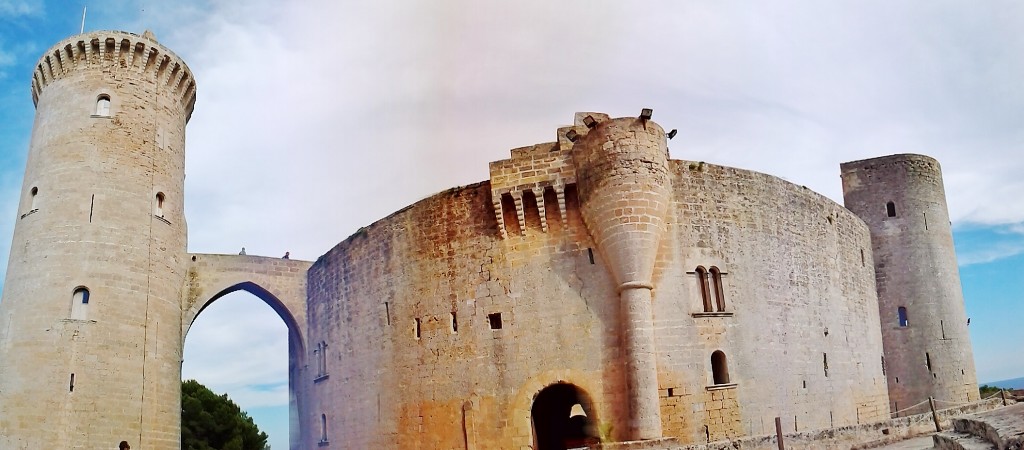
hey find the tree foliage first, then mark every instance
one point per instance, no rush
(986, 390)
(214, 422)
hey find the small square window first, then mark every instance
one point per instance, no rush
(494, 319)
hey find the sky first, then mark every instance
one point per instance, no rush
(318, 117)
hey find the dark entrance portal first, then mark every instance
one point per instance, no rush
(563, 417)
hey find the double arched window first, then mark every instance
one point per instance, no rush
(712, 292)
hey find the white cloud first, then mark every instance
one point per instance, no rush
(989, 254)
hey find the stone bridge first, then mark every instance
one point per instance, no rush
(281, 283)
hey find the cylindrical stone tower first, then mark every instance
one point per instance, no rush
(90, 322)
(622, 172)
(921, 306)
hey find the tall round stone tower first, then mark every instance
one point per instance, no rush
(622, 172)
(920, 301)
(90, 321)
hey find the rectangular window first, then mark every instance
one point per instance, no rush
(494, 320)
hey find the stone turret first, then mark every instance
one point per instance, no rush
(622, 173)
(90, 335)
(920, 301)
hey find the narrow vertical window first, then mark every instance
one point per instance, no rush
(455, 322)
(103, 105)
(883, 365)
(71, 386)
(901, 313)
(316, 355)
(702, 284)
(824, 363)
(890, 209)
(32, 198)
(928, 361)
(323, 428)
(719, 368)
(158, 206)
(80, 303)
(323, 358)
(417, 328)
(716, 285)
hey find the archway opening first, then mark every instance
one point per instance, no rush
(563, 417)
(239, 345)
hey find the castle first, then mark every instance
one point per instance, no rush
(592, 287)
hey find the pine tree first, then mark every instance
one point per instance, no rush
(214, 422)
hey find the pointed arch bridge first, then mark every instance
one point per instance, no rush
(281, 283)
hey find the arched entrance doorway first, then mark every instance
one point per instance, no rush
(563, 417)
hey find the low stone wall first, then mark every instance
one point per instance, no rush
(861, 436)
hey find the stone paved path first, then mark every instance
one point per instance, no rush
(917, 443)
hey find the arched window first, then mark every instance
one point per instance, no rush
(719, 367)
(32, 198)
(158, 206)
(901, 313)
(103, 105)
(716, 285)
(80, 303)
(705, 291)
(890, 209)
(323, 428)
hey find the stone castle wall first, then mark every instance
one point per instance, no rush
(797, 282)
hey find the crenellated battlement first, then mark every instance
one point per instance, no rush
(537, 177)
(118, 51)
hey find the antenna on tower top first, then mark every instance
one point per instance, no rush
(82, 30)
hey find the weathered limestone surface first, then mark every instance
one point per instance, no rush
(916, 269)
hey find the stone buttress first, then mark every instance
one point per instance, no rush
(622, 173)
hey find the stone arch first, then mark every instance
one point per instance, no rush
(522, 433)
(294, 332)
(281, 284)
(563, 417)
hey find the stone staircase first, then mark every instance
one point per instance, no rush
(999, 429)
